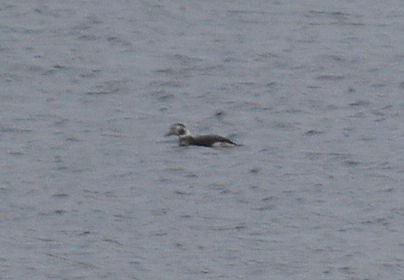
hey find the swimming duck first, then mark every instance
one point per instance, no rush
(185, 138)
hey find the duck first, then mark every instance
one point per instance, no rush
(185, 138)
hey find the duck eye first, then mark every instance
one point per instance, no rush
(181, 131)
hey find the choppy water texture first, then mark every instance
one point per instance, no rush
(90, 188)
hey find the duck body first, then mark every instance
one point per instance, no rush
(210, 140)
(185, 138)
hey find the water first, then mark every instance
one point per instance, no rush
(90, 188)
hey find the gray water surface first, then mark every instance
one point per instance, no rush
(90, 188)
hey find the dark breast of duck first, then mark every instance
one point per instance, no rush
(205, 140)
